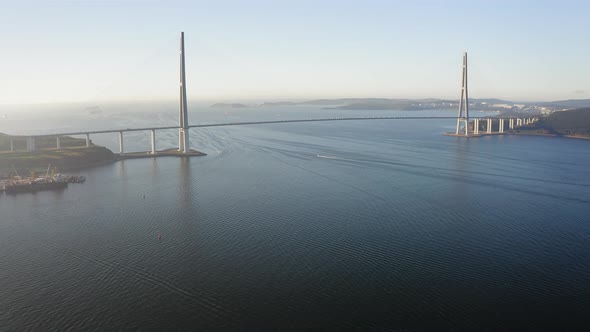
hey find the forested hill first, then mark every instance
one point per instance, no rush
(568, 123)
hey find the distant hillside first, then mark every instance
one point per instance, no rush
(346, 101)
(476, 104)
(278, 103)
(570, 103)
(228, 105)
(398, 104)
(566, 123)
(382, 103)
(491, 101)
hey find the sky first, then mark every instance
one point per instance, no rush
(254, 50)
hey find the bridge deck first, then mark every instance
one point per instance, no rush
(255, 123)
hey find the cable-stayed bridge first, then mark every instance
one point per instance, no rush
(184, 126)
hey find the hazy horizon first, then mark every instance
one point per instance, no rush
(248, 102)
(95, 53)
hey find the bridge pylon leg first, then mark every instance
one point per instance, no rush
(121, 151)
(153, 134)
(463, 116)
(186, 144)
(30, 144)
(180, 140)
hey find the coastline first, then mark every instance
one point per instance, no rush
(135, 155)
(77, 158)
(451, 134)
(551, 135)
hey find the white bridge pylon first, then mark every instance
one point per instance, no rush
(464, 101)
(183, 131)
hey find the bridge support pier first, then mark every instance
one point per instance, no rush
(121, 151)
(153, 141)
(180, 140)
(501, 126)
(87, 140)
(489, 126)
(511, 124)
(11, 145)
(30, 144)
(183, 140)
(57, 143)
(476, 126)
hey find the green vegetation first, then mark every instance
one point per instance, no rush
(40, 142)
(574, 123)
(73, 154)
(67, 158)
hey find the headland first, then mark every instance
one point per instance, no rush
(72, 155)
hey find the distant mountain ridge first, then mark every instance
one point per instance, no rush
(485, 104)
(228, 105)
(569, 103)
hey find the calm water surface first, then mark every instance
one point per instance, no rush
(368, 225)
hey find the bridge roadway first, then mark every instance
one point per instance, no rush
(30, 139)
(88, 132)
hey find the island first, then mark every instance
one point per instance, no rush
(229, 105)
(505, 107)
(571, 123)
